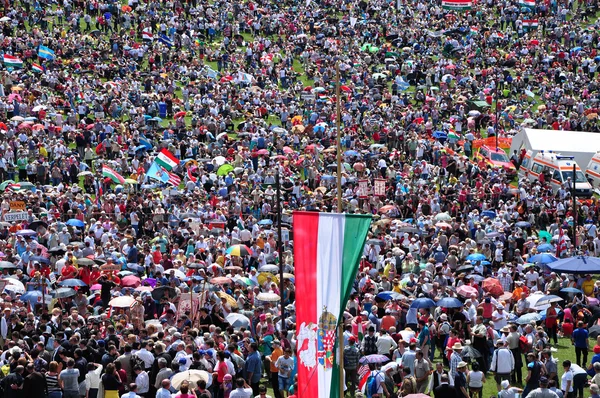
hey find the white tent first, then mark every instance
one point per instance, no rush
(579, 144)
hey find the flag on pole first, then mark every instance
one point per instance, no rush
(156, 172)
(166, 159)
(11, 60)
(174, 179)
(561, 245)
(457, 5)
(37, 68)
(113, 175)
(164, 39)
(46, 53)
(530, 24)
(326, 265)
(527, 3)
(363, 375)
(191, 176)
(147, 34)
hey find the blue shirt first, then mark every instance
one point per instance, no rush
(580, 337)
(253, 365)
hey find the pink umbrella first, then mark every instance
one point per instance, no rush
(262, 152)
(287, 149)
(97, 286)
(130, 281)
(466, 291)
(12, 96)
(144, 289)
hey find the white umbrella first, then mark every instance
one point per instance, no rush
(4, 19)
(474, 113)
(532, 299)
(38, 107)
(237, 320)
(178, 274)
(193, 376)
(15, 286)
(219, 160)
(122, 302)
(443, 217)
(268, 297)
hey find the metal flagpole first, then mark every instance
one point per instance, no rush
(339, 210)
(280, 251)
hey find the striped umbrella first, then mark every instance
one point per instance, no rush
(239, 251)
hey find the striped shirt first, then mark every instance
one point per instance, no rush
(52, 382)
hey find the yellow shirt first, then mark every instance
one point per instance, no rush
(277, 352)
(588, 287)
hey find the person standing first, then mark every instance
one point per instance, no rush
(351, 358)
(253, 367)
(542, 391)
(69, 380)
(534, 371)
(422, 371)
(274, 372)
(460, 382)
(513, 341)
(34, 384)
(580, 339)
(503, 364)
(445, 390)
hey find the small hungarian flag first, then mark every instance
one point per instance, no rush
(174, 179)
(113, 175)
(10, 60)
(166, 159)
(500, 35)
(326, 266)
(474, 29)
(457, 5)
(530, 23)
(527, 3)
(37, 68)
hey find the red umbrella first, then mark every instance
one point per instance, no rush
(3, 126)
(534, 42)
(492, 286)
(220, 280)
(23, 126)
(130, 281)
(37, 127)
(346, 89)
(418, 120)
(89, 126)
(180, 114)
(310, 148)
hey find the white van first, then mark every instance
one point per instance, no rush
(592, 172)
(557, 170)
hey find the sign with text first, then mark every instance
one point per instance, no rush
(379, 187)
(19, 216)
(17, 205)
(363, 189)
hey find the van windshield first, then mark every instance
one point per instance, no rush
(569, 174)
(499, 157)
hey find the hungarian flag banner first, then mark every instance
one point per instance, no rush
(457, 5)
(37, 68)
(527, 3)
(113, 175)
(13, 61)
(166, 159)
(530, 23)
(326, 264)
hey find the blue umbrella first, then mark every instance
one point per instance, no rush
(72, 283)
(351, 153)
(449, 302)
(545, 247)
(73, 222)
(40, 259)
(597, 58)
(265, 222)
(32, 295)
(571, 290)
(476, 257)
(423, 303)
(523, 224)
(26, 232)
(577, 265)
(488, 213)
(544, 258)
(528, 318)
(389, 295)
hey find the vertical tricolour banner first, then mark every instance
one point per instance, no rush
(327, 251)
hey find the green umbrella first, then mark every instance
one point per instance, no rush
(373, 49)
(5, 184)
(545, 234)
(391, 54)
(365, 46)
(224, 170)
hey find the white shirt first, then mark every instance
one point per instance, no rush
(503, 361)
(143, 382)
(241, 393)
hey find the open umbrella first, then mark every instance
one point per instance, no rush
(466, 290)
(221, 280)
(63, 292)
(226, 297)
(543, 258)
(576, 265)
(239, 250)
(528, 318)
(546, 247)
(594, 331)
(225, 169)
(269, 268)
(163, 291)
(85, 261)
(493, 287)
(32, 296)
(374, 358)
(75, 223)
(268, 297)
(122, 302)
(26, 232)
(72, 283)
(476, 257)
(571, 290)
(237, 320)
(449, 302)
(443, 217)
(551, 298)
(7, 265)
(131, 281)
(389, 295)
(422, 303)
(192, 376)
(37, 224)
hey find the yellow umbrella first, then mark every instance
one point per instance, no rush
(230, 300)
(262, 277)
(131, 181)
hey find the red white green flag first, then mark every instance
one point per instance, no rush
(457, 5)
(166, 159)
(113, 175)
(327, 254)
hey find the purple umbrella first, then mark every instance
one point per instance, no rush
(374, 358)
(149, 282)
(25, 232)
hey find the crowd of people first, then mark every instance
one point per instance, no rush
(117, 282)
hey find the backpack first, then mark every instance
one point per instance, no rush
(136, 361)
(524, 345)
(372, 385)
